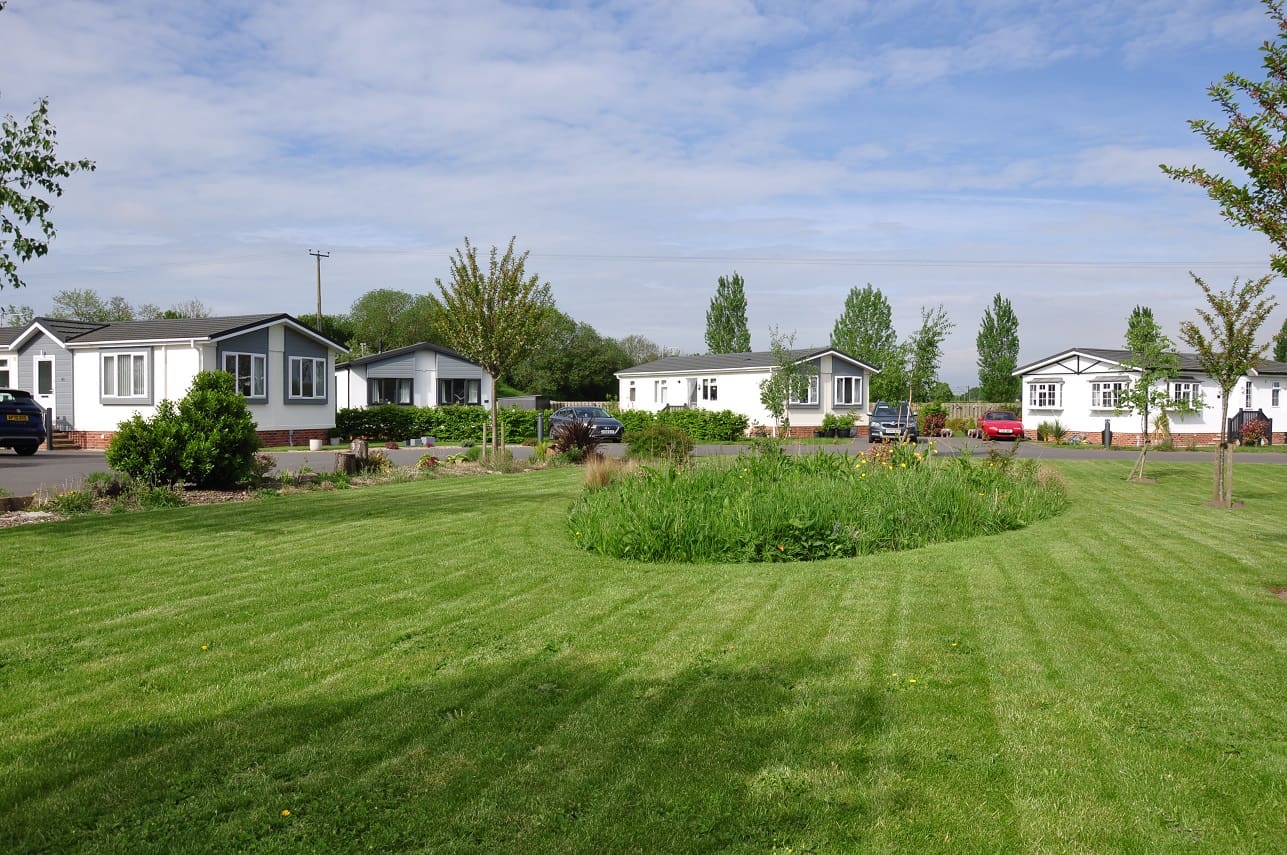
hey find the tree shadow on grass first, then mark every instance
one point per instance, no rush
(549, 753)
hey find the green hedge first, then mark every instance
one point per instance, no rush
(445, 424)
(456, 424)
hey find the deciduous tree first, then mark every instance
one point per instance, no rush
(1255, 139)
(726, 329)
(386, 319)
(788, 380)
(998, 349)
(1226, 349)
(924, 350)
(492, 317)
(641, 349)
(30, 177)
(1155, 363)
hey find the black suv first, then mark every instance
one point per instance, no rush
(22, 421)
(896, 422)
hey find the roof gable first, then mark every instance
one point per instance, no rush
(403, 351)
(1092, 360)
(206, 329)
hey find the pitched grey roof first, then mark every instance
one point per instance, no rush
(1188, 361)
(758, 360)
(9, 334)
(403, 351)
(174, 328)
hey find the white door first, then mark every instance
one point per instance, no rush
(44, 390)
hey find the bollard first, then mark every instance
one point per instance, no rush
(1108, 434)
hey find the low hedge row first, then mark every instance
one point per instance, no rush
(456, 424)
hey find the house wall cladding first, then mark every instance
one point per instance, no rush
(398, 366)
(33, 349)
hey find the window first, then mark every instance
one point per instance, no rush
(459, 392)
(632, 391)
(4, 373)
(1247, 405)
(1273, 401)
(250, 372)
(848, 391)
(1106, 396)
(307, 377)
(659, 391)
(124, 375)
(1184, 392)
(710, 392)
(389, 390)
(810, 391)
(1045, 395)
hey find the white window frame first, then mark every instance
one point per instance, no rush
(1046, 395)
(710, 391)
(110, 367)
(659, 391)
(853, 398)
(812, 393)
(1185, 391)
(631, 397)
(1273, 394)
(5, 374)
(1107, 394)
(298, 390)
(256, 380)
(1247, 398)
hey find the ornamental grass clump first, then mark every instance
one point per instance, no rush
(770, 506)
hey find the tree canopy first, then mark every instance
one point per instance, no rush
(925, 350)
(998, 351)
(570, 362)
(726, 329)
(386, 319)
(865, 330)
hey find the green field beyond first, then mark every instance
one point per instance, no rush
(435, 666)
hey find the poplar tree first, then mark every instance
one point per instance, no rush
(726, 329)
(998, 348)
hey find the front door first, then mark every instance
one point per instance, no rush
(44, 390)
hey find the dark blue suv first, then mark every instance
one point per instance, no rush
(22, 421)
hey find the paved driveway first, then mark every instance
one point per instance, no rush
(66, 470)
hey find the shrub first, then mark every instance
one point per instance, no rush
(769, 506)
(150, 451)
(219, 434)
(1254, 431)
(159, 497)
(376, 462)
(70, 502)
(960, 426)
(659, 441)
(1051, 431)
(575, 441)
(427, 462)
(473, 454)
(931, 419)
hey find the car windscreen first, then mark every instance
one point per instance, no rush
(593, 413)
(1000, 417)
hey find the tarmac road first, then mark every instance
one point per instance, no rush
(66, 470)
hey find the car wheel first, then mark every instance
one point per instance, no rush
(26, 450)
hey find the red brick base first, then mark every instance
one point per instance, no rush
(1178, 440)
(95, 439)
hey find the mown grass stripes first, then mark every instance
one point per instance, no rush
(435, 666)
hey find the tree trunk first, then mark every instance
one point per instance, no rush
(1222, 496)
(495, 435)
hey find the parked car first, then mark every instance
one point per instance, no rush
(22, 421)
(1001, 424)
(893, 421)
(601, 422)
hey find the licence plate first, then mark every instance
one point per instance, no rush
(15, 418)
(1005, 430)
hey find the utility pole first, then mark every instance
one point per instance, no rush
(319, 256)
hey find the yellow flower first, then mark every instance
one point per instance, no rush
(285, 813)
(913, 680)
(205, 647)
(953, 643)
(895, 674)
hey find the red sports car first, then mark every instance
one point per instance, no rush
(999, 424)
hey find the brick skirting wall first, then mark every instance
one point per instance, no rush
(806, 431)
(97, 439)
(1178, 440)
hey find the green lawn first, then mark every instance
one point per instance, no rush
(431, 666)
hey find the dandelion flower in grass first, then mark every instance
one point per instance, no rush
(912, 680)
(285, 813)
(205, 647)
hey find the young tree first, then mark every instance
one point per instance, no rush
(1154, 361)
(998, 348)
(30, 175)
(788, 380)
(925, 349)
(865, 330)
(726, 330)
(1227, 350)
(1280, 344)
(1255, 139)
(494, 317)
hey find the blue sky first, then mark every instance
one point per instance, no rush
(942, 151)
